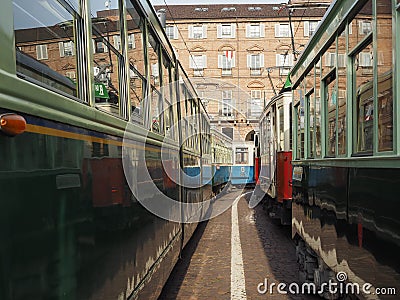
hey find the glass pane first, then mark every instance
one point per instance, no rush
(329, 59)
(331, 101)
(137, 87)
(46, 45)
(361, 25)
(300, 121)
(342, 94)
(385, 71)
(364, 100)
(106, 79)
(318, 109)
(135, 38)
(311, 109)
(281, 137)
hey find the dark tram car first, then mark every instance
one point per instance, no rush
(346, 164)
(275, 173)
(88, 106)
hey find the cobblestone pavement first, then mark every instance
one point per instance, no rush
(204, 272)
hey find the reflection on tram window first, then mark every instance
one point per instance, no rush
(341, 120)
(46, 45)
(318, 109)
(364, 99)
(135, 25)
(331, 102)
(309, 81)
(137, 87)
(361, 25)
(385, 70)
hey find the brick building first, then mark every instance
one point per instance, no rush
(238, 55)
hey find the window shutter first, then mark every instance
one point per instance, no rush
(175, 32)
(277, 30)
(219, 31)
(191, 61)
(278, 60)
(360, 27)
(204, 61)
(249, 60)
(116, 39)
(220, 59)
(61, 46)
(290, 59)
(262, 30)
(94, 45)
(261, 60)
(204, 31)
(247, 30)
(233, 30)
(190, 31)
(306, 28)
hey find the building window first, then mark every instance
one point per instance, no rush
(282, 30)
(66, 48)
(197, 31)
(226, 31)
(198, 63)
(310, 27)
(99, 46)
(172, 32)
(117, 42)
(255, 62)
(41, 52)
(226, 62)
(255, 103)
(227, 110)
(365, 27)
(131, 41)
(255, 30)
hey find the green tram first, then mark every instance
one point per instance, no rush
(75, 79)
(346, 147)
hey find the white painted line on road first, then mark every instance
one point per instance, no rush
(238, 284)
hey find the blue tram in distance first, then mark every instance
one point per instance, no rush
(221, 160)
(243, 164)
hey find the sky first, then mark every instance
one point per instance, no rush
(159, 2)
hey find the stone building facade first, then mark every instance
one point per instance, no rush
(238, 55)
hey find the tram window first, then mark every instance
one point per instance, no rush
(242, 156)
(330, 98)
(135, 25)
(341, 82)
(137, 87)
(299, 108)
(329, 59)
(310, 115)
(317, 109)
(364, 101)
(281, 131)
(309, 81)
(361, 25)
(156, 111)
(41, 31)
(153, 49)
(385, 71)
